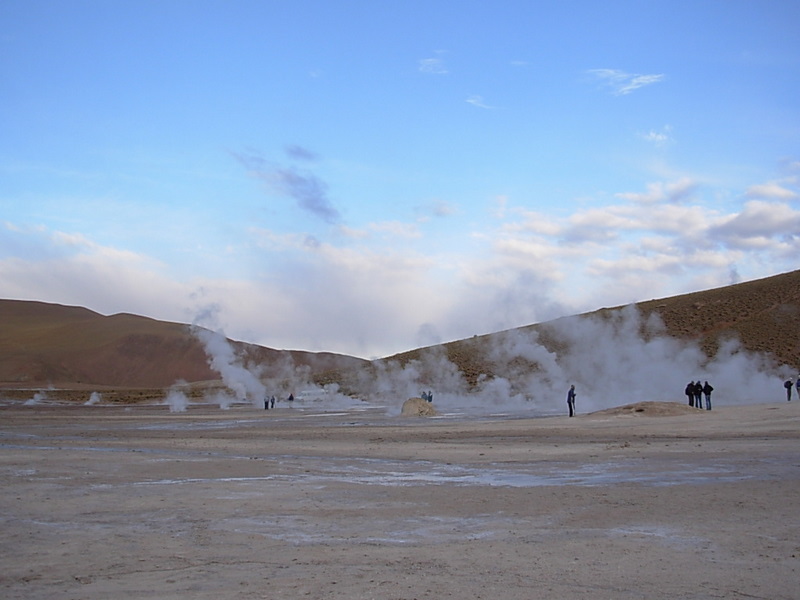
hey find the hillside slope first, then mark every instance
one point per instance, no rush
(63, 346)
(48, 344)
(763, 315)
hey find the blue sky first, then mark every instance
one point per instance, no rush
(368, 177)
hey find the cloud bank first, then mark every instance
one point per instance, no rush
(385, 287)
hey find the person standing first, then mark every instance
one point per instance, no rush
(689, 391)
(707, 389)
(788, 385)
(698, 394)
(571, 400)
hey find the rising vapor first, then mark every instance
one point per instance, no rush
(618, 359)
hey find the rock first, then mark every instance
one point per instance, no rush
(650, 409)
(417, 407)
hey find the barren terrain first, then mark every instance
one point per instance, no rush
(654, 500)
(121, 498)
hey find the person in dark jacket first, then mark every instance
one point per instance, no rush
(788, 385)
(698, 394)
(571, 400)
(707, 389)
(689, 391)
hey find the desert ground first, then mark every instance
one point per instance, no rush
(654, 500)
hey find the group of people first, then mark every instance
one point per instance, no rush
(270, 402)
(695, 391)
(788, 385)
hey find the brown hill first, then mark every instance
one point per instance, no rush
(67, 346)
(764, 315)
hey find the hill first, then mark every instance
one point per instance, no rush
(65, 346)
(763, 315)
(47, 344)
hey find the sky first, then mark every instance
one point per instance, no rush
(369, 177)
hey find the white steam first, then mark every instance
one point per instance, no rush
(616, 359)
(176, 398)
(243, 383)
(38, 398)
(245, 380)
(94, 398)
(613, 361)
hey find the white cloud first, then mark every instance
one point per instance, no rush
(530, 253)
(621, 83)
(75, 271)
(608, 223)
(432, 66)
(396, 229)
(613, 251)
(760, 225)
(633, 264)
(659, 138)
(439, 209)
(772, 189)
(391, 230)
(499, 204)
(675, 191)
(352, 232)
(371, 290)
(478, 102)
(534, 222)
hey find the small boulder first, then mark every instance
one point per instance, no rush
(417, 407)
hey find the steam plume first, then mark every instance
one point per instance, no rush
(241, 381)
(94, 398)
(176, 399)
(614, 360)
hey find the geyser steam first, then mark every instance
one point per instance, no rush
(241, 381)
(617, 359)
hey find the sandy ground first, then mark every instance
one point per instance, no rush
(106, 502)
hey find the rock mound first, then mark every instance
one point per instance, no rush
(417, 407)
(649, 409)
